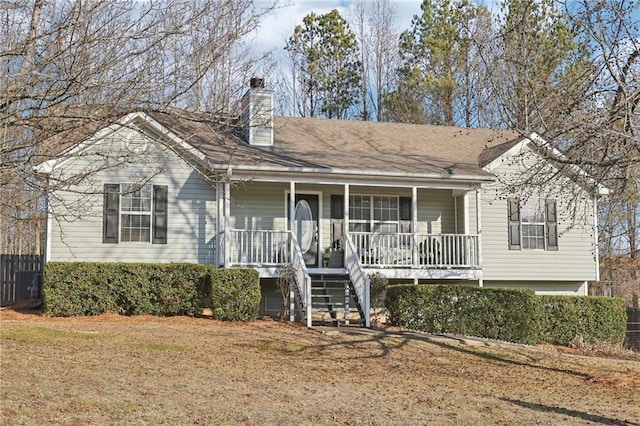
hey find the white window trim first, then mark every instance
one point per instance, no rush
(372, 221)
(543, 223)
(121, 213)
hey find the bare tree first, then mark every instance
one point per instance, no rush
(376, 30)
(70, 67)
(603, 134)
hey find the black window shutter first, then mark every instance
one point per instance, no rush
(514, 223)
(552, 225)
(337, 203)
(405, 208)
(110, 213)
(160, 214)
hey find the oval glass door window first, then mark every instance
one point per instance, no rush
(304, 219)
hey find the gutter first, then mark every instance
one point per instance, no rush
(347, 172)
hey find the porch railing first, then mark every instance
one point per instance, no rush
(252, 247)
(416, 250)
(359, 279)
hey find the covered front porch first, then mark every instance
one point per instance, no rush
(426, 232)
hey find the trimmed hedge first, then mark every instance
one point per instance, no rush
(492, 313)
(506, 314)
(235, 294)
(163, 289)
(594, 319)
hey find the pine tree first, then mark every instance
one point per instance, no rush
(326, 65)
(438, 66)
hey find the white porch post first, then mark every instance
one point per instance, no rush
(218, 259)
(414, 226)
(292, 229)
(346, 218)
(595, 238)
(227, 213)
(479, 232)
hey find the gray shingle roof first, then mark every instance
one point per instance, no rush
(349, 146)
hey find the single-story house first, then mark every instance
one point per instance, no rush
(337, 200)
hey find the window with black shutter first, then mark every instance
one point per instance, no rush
(532, 224)
(134, 213)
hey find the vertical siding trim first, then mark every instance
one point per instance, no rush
(479, 232)
(227, 214)
(219, 215)
(595, 236)
(414, 225)
(465, 206)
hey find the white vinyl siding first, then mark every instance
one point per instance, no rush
(551, 288)
(77, 220)
(574, 259)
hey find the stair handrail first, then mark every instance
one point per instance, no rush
(359, 278)
(302, 279)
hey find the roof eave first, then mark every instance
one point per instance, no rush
(353, 172)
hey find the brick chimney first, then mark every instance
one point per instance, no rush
(257, 114)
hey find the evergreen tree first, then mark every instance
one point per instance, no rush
(438, 71)
(326, 66)
(541, 60)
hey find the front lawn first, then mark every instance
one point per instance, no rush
(147, 370)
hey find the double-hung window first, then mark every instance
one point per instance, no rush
(135, 213)
(374, 213)
(532, 224)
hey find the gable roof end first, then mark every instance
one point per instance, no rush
(491, 158)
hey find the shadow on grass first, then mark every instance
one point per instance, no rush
(494, 357)
(384, 348)
(381, 339)
(572, 413)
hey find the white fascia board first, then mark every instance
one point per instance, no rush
(48, 166)
(513, 151)
(174, 138)
(334, 179)
(364, 174)
(543, 144)
(601, 189)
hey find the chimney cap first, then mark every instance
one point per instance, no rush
(256, 83)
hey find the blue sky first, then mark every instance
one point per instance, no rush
(278, 27)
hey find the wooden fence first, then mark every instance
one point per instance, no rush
(20, 277)
(632, 340)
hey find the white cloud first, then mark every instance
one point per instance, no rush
(276, 28)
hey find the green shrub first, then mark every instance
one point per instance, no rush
(589, 318)
(503, 314)
(512, 315)
(235, 294)
(93, 288)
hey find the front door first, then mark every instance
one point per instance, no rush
(306, 215)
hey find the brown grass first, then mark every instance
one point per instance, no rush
(147, 370)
